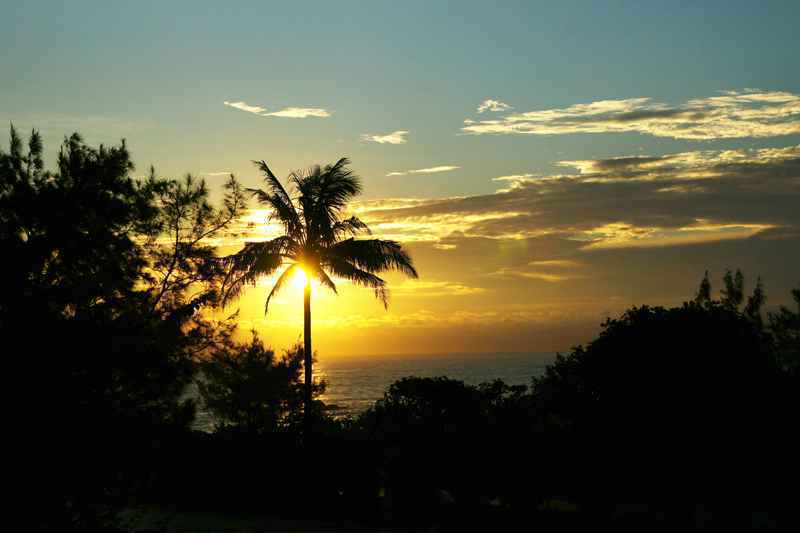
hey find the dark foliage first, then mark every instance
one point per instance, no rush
(669, 399)
(785, 328)
(104, 336)
(249, 389)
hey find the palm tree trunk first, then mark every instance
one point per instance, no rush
(307, 355)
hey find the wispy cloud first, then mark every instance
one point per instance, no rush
(549, 270)
(255, 109)
(524, 273)
(493, 105)
(732, 114)
(514, 180)
(435, 288)
(555, 263)
(621, 235)
(396, 137)
(300, 112)
(288, 112)
(431, 170)
(223, 173)
(434, 170)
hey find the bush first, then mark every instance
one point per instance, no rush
(248, 388)
(676, 404)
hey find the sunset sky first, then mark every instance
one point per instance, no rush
(546, 165)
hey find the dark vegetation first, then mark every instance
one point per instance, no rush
(250, 390)
(671, 419)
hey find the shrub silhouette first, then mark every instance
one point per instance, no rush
(248, 388)
(785, 327)
(104, 342)
(681, 404)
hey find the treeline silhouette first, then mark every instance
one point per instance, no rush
(671, 418)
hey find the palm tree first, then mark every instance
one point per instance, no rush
(317, 240)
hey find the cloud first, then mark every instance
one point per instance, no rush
(434, 288)
(223, 173)
(635, 201)
(548, 270)
(513, 177)
(625, 202)
(555, 263)
(424, 318)
(396, 137)
(256, 109)
(621, 235)
(514, 180)
(522, 273)
(300, 112)
(385, 204)
(694, 165)
(431, 170)
(423, 229)
(493, 105)
(733, 114)
(683, 189)
(289, 112)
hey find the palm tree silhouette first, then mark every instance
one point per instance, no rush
(317, 239)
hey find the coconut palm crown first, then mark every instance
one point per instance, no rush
(318, 239)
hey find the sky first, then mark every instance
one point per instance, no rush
(546, 164)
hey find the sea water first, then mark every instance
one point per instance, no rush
(354, 383)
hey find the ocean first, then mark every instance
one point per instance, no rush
(356, 382)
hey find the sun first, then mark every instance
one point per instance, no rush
(299, 278)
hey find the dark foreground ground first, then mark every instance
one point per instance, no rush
(144, 520)
(553, 516)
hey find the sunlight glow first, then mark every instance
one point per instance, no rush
(299, 278)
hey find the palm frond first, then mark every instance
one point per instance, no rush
(346, 270)
(323, 195)
(280, 282)
(256, 259)
(282, 211)
(372, 255)
(274, 183)
(325, 279)
(350, 226)
(305, 182)
(276, 197)
(337, 186)
(339, 166)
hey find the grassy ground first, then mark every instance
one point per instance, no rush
(146, 520)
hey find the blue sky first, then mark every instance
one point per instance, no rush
(160, 71)
(158, 74)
